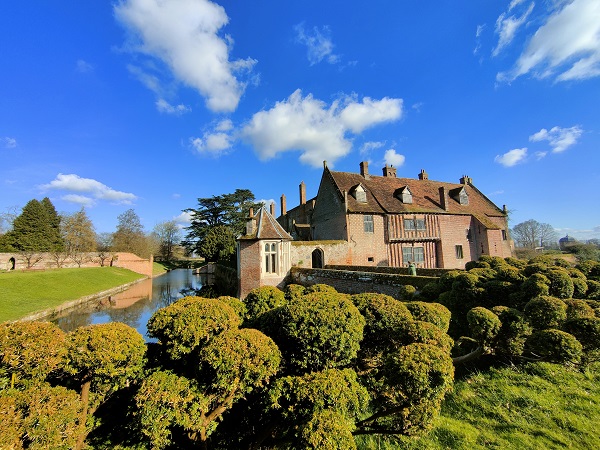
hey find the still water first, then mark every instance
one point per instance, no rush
(135, 305)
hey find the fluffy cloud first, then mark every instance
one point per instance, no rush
(184, 34)
(185, 218)
(560, 139)
(215, 142)
(316, 129)
(164, 106)
(565, 47)
(368, 147)
(94, 189)
(318, 43)
(8, 142)
(512, 157)
(393, 159)
(507, 26)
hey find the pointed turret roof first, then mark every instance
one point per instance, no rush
(267, 227)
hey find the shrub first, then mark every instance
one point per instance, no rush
(509, 273)
(580, 287)
(515, 262)
(546, 312)
(587, 332)
(484, 325)
(321, 288)
(419, 332)
(431, 291)
(561, 284)
(407, 292)
(589, 268)
(293, 291)
(237, 305)
(262, 299)
(434, 313)
(383, 315)
(577, 309)
(555, 345)
(534, 267)
(498, 292)
(595, 305)
(513, 333)
(484, 274)
(536, 285)
(327, 430)
(593, 292)
(447, 280)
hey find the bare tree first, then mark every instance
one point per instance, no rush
(104, 242)
(168, 235)
(532, 234)
(79, 236)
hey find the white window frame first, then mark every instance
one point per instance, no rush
(368, 223)
(413, 254)
(271, 258)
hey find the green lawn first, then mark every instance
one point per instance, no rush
(539, 406)
(23, 293)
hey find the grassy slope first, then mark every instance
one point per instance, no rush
(540, 406)
(22, 293)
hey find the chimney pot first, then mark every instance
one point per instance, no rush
(302, 193)
(423, 175)
(283, 205)
(364, 169)
(272, 209)
(389, 171)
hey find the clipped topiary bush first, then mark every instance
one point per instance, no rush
(498, 292)
(513, 333)
(237, 305)
(434, 313)
(293, 291)
(555, 345)
(447, 280)
(515, 262)
(510, 273)
(484, 325)
(561, 284)
(580, 287)
(431, 291)
(593, 292)
(536, 285)
(419, 332)
(587, 332)
(546, 312)
(407, 292)
(577, 309)
(534, 267)
(321, 288)
(262, 299)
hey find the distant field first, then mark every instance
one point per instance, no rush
(538, 406)
(23, 293)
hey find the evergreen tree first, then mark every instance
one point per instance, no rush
(36, 229)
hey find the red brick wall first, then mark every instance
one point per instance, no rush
(453, 232)
(364, 245)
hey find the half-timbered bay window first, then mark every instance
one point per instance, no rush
(413, 254)
(271, 257)
(414, 224)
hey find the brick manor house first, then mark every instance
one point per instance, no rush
(359, 219)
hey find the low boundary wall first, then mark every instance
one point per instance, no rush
(357, 282)
(391, 270)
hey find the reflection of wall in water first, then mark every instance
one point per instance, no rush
(139, 291)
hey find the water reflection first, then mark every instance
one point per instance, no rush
(135, 305)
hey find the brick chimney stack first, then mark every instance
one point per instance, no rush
(272, 209)
(466, 180)
(444, 198)
(364, 169)
(302, 193)
(283, 205)
(389, 171)
(250, 223)
(423, 175)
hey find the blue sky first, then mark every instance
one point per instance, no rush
(150, 104)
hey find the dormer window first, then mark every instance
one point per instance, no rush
(404, 195)
(460, 195)
(360, 194)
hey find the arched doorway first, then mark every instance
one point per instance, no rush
(317, 258)
(11, 264)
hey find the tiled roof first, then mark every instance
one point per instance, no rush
(425, 196)
(267, 227)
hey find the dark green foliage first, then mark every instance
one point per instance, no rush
(589, 268)
(484, 325)
(477, 265)
(447, 280)
(434, 313)
(39, 417)
(31, 350)
(484, 275)
(320, 288)
(263, 299)
(518, 263)
(498, 292)
(536, 285)
(577, 309)
(319, 331)
(587, 332)
(555, 345)
(294, 291)
(419, 332)
(327, 430)
(431, 291)
(238, 306)
(218, 244)
(190, 322)
(561, 284)
(407, 292)
(593, 292)
(510, 340)
(546, 312)
(510, 274)
(580, 287)
(535, 267)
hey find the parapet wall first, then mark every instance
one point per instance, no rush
(357, 282)
(390, 270)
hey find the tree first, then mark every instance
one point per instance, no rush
(104, 244)
(79, 236)
(168, 236)
(129, 236)
(229, 210)
(218, 244)
(532, 234)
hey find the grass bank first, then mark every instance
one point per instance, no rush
(538, 406)
(23, 293)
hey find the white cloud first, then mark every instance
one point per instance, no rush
(185, 218)
(8, 142)
(368, 147)
(184, 34)
(560, 139)
(164, 106)
(565, 47)
(507, 27)
(79, 199)
(318, 43)
(512, 157)
(215, 142)
(97, 190)
(84, 66)
(393, 159)
(316, 129)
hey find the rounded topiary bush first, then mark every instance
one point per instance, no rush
(407, 292)
(498, 292)
(580, 287)
(431, 291)
(510, 273)
(419, 332)
(587, 332)
(447, 280)
(555, 345)
(294, 291)
(561, 284)
(515, 262)
(593, 292)
(577, 309)
(536, 285)
(263, 299)
(484, 274)
(595, 305)
(589, 268)
(237, 305)
(484, 324)
(513, 334)
(434, 313)
(321, 288)
(465, 282)
(477, 265)
(534, 267)
(546, 312)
